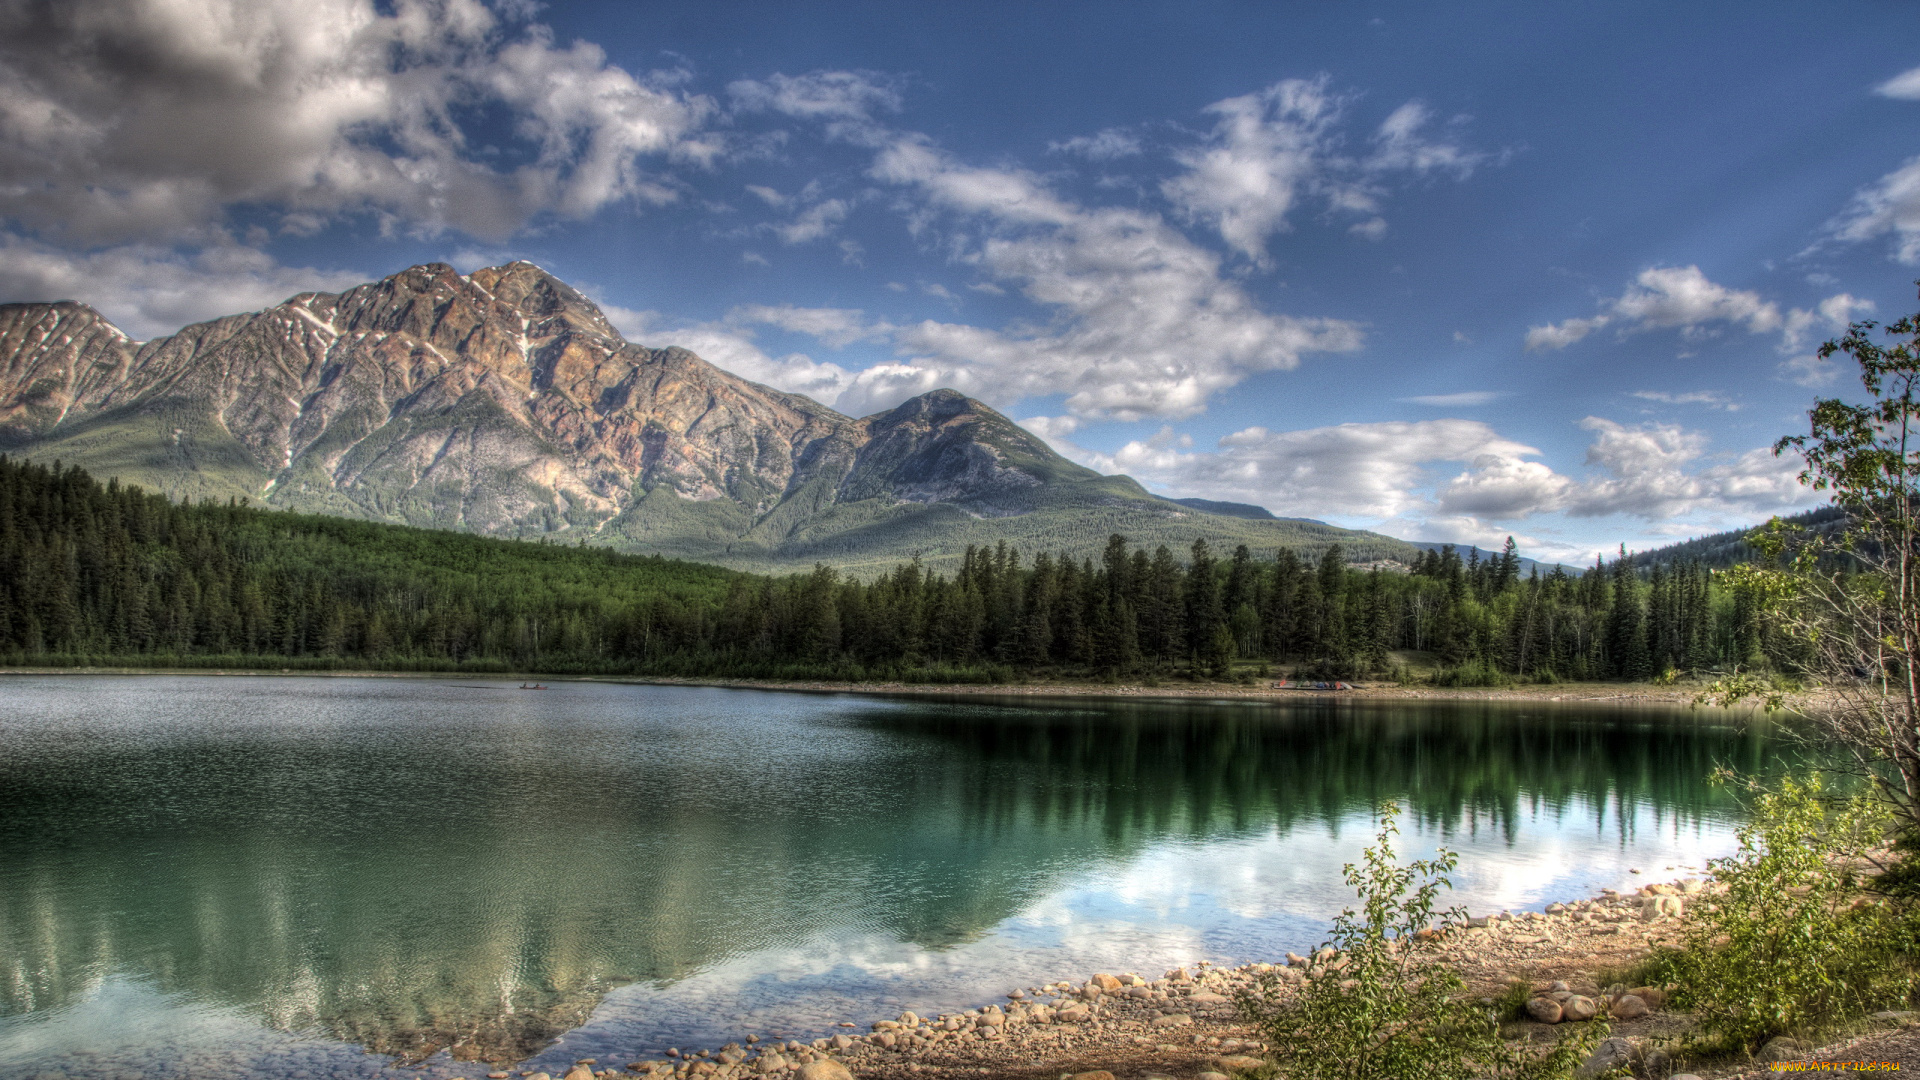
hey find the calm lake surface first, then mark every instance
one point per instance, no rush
(205, 876)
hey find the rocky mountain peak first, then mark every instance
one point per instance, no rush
(540, 297)
(504, 402)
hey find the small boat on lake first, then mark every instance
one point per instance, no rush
(535, 686)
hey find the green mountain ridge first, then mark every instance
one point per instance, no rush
(503, 403)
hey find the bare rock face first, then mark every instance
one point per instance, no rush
(503, 402)
(500, 401)
(51, 357)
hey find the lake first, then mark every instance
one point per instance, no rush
(329, 877)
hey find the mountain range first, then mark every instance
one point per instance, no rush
(503, 402)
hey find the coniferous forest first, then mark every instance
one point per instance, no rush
(105, 575)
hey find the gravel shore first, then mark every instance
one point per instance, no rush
(1184, 1025)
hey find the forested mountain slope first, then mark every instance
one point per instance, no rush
(93, 574)
(1724, 549)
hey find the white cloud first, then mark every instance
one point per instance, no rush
(150, 291)
(1271, 149)
(1647, 475)
(1889, 206)
(1502, 486)
(1808, 369)
(1266, 150)
(1402, 145)
(834, 327)
(1712, 399)
(1374, 228)
(1829, 316)
(813, 223)
(731, 346)
(1350, 470)
(1561, 335)
(1144, 323)
(1386, 472)
(844, 101)
(1904, 85)
(1464, 400)
(145, 120)
(1682, 298)
(1055, 430)
(1103, 146)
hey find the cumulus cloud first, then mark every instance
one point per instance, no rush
(1647, 475)
(143, 120)
(1366, 470)
(1683, 298)
(1271, 150)
(1394, 471)
(1829, 316)
(150, 291)
(1055, 430)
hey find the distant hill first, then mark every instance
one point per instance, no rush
(502, 402)
(1241, 510)
(1724, 549)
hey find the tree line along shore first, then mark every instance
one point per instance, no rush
(105, 575)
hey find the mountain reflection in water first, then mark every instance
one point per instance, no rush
(412, 865)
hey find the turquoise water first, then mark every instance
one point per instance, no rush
(205, 876)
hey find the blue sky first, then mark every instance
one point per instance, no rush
(1451, 272)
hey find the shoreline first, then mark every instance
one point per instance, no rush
(1634, 694)
(1186, 1024)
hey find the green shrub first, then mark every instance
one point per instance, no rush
(1511, 1004)
(1788, 948)
(1388, 1006)
(1472, 673)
